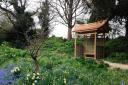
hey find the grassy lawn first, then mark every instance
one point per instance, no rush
(59, 67)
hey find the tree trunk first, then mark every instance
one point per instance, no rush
(37, 67)
(69, 33)
(70, 19)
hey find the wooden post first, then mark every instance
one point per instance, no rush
(85, 45)
(104, 45)
(75, 49)
(95, 39)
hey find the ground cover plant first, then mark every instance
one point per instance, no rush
(59, 67)
(117, 50)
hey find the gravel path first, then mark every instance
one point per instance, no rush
(117, 65)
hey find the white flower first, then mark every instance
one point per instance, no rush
(35, 81)
(28, 75)
(37, 77)
(12, 71)
(34, 74)
(38, 73)
(18, 69)
(33, 77)
(65, 80)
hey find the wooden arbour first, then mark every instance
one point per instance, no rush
(94, 38)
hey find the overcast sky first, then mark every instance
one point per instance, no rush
(59, 29)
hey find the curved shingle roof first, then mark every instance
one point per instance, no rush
(90, 27)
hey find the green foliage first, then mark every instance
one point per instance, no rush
(7, 53)
(118, 57)
(45, 17)
(20, 18)
(58, 67)
(59, 45)
(82, 21)
(5, 26)
(80, 41)
(101, 9)
(117, 50)
(78, 71)
(117, 45)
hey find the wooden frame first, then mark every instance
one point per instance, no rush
(95, 41)
(95, 35)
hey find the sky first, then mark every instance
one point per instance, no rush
(59, 29)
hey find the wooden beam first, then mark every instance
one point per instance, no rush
(95, 39)
(75, 49)
(85, 46)
(104, 45)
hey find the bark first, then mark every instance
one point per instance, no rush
(69, 33)
(70, 19)
(37, 66)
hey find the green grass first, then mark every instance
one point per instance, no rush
(59, 67)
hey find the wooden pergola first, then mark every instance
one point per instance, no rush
(94, 38)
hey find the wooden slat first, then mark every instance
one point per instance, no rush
(89, 53)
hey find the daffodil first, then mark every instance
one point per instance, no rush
(34, 74)
(33, 77)
(33, 83)
(38, 73)
(37, 77)
(65, 80)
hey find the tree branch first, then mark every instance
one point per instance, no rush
(8, 11)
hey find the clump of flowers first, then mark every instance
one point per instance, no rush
(16, 71)
(34, 78)
(64, 80)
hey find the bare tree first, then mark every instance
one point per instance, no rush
(35, 44)
(68, 10)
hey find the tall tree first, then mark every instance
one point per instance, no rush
(21, 19)
(68, 10)
(115, 10)
(101, 9)
(46, 17)
(121, 13)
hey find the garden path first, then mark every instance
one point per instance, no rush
(117, 65)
